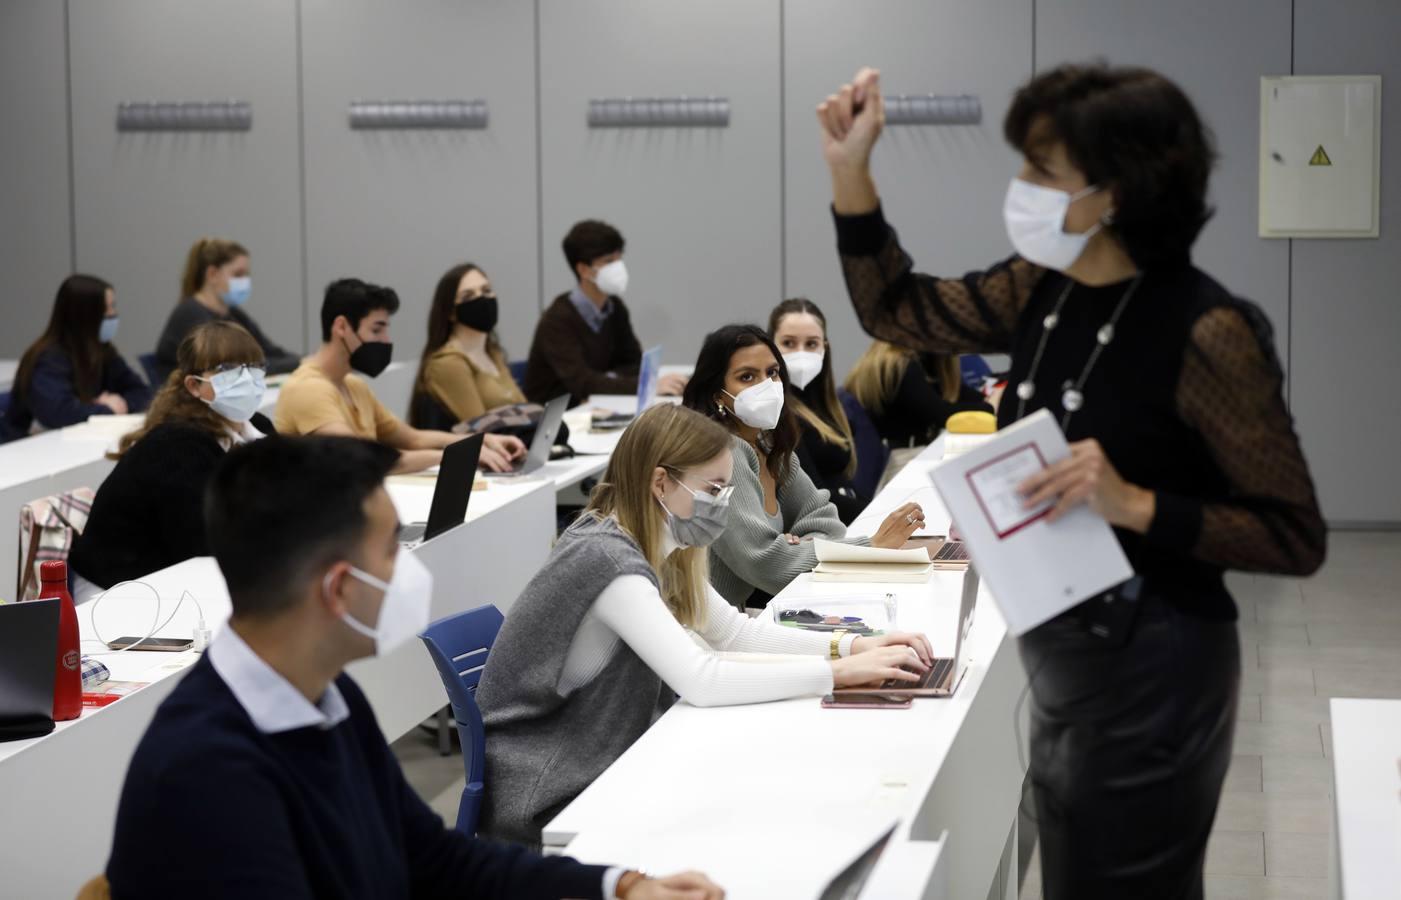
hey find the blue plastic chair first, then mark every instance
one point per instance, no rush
(973, 368)
(155, 372)
(871, 452)
(459, 646)
(518, 372)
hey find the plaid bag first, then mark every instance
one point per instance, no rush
(47, 527)
(511, 419)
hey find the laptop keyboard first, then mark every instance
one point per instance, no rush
(952, 551)
(931, 679)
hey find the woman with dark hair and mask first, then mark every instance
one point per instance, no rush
(604, 632)
(741, 381)
(73, 371)
(1170, 392)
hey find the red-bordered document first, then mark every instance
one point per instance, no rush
(994, 485)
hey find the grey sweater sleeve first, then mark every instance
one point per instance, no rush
(750, 547)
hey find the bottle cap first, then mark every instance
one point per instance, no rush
(53, 570)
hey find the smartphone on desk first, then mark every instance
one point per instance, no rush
(163, 644)
(861, 700)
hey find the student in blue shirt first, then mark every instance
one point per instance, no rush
(264, 773)
(73, 371)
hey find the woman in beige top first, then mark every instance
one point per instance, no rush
(463, 373)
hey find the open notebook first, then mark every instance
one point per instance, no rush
(850, 562)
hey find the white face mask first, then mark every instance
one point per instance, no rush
(1035, 220)
(612, 279)
(404, 611)
(761, 405)
(803, 367)
(237, 392)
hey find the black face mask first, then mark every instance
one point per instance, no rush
(371, 357)
(479, 314)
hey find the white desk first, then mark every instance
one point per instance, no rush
(943, 765)
(61, 791)
(7, 373)
(1367, 798)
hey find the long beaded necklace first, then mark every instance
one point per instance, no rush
(1072, 396)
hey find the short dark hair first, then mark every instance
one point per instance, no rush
(1135, 131)
(354, 299)
(588, 240)
(280, 509)
(709, 379)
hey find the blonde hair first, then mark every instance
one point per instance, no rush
(876, 376)
(204, 253)
(206, 347)
(673, 438)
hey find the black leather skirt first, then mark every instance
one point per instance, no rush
(1130, 742)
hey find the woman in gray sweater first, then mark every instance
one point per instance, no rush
(776, 511)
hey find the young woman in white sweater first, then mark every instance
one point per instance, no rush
(623, 612)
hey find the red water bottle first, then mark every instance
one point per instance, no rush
(68, 668)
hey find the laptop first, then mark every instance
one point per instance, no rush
(946, 672)
(451, 492)
(28, 648)
(647, 373)
(848, 883)
(543, 442)
(948, 554)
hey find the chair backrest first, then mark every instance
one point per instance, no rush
(4, 402)
(973, 369)
(155, 370)
(426, 412)
(458, 646)
(47, 527)
(871, 452)
(518, 372)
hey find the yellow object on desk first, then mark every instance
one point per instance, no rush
(971, 421)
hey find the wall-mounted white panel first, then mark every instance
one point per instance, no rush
(142, 198)
(941, 185)
(699, 206)
(34, 239)
(401, 206)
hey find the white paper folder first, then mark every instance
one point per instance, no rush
(1035, 570)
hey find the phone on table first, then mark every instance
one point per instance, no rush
(166, 645)
(861, 700)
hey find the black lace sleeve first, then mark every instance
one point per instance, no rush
(973, 314)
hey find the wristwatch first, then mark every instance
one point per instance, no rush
(837, 643)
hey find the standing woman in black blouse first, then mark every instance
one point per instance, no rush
(826, 448)
(1169, 390)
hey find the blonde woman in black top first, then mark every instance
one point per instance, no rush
(908, 395)
(1170, 392)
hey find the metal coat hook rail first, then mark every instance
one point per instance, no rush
(659, 112)
(199, 115)
(933, 109)
(418, 114)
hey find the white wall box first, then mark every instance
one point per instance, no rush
(1320, 156)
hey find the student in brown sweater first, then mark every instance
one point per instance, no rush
(584, 343)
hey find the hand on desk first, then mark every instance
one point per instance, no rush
(1087, 476)
(898, 526)
(916, 642)
(682, 886)
(671, 385)
(115, 402)
(505, 444)
(897, 662)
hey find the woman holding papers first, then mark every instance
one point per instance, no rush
(741, 381)
(622, 616)
(1169, 390)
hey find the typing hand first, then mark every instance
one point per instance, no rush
(898, 526)
(683, 886)
(504, 444)
(114, 402)
(894, 663)
(916, 642)
(851, 121)
(491, 461)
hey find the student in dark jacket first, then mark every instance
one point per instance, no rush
(214, 287)
(909, 395)
(264, 773)
(826, 450)
(73, 371)
(584, 343)
(148, 512)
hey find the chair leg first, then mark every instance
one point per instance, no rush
(445, 731)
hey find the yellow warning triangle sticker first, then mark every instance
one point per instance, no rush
(1320, 157)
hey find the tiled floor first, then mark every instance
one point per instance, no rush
(1337, 634)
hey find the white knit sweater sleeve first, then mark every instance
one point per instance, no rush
(726, 628)
(632, 608)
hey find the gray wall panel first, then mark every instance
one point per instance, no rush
(699, 207)
(399, 207)
(35, 250)
(1217, 53)
(941, 186)
(1347, 319)
(143, 198)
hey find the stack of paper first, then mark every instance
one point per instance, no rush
(850, 562)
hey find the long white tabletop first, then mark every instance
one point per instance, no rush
(947, 765)
(61, 791)
(1366, 798)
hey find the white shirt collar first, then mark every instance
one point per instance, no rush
(270, 700)
(243, 433)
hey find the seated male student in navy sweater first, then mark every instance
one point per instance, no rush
(264, 773)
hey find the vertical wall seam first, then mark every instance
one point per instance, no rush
(1033, 38)
(72, 170)
(539, 176)
(782, 149)
(1289, 279)
(301, 184)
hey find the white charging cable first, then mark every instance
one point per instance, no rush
(200, 636)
